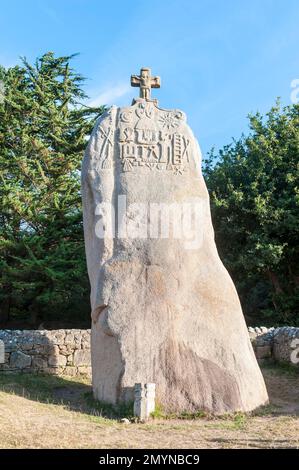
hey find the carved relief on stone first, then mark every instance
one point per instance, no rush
(170, 120)
(152, 138)
(106, 150)
(144, 109)
(126, 116)
(145, 82)
(145, 137)
(104, 143)
(154, 149)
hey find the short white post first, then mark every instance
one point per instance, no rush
(2, 352)
(144, 400)
(150, 398)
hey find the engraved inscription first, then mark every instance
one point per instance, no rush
(154, 149)
(144, 137)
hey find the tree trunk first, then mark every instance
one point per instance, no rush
(5, 310)
(275, 282)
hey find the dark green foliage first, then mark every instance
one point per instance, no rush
(253, 185)
(43, 131)
(254, 191)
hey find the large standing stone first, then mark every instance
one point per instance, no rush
(164, 310)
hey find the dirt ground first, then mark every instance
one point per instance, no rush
(52, 412)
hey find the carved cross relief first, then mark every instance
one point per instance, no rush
(145, 81)
(147, 136)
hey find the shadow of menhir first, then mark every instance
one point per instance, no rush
(76, 394)
(72, 393)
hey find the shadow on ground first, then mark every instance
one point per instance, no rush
(73, 393)
(282, 382)
(76, 393)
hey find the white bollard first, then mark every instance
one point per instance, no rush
(144, 400)
(2, 352)
(150, 398)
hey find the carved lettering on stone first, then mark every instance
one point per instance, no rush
(156, 147)
(153, 149)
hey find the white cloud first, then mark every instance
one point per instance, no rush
(110, 95)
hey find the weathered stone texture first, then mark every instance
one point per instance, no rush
(164, 309)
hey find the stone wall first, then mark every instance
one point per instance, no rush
(53, 352)
(280, 344)
(68, 351)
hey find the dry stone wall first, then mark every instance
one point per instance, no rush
(67, 352)
(280, 344)
(53, 352)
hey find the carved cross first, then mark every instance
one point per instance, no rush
(145, 81)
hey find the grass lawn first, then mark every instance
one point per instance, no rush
(59, 412)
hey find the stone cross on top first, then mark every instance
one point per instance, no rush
(145, 81)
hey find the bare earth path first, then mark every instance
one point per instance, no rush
(50, 412)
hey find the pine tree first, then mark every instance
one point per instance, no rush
(43, 132)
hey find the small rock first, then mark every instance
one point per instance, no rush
(39, 363)
(19, 360)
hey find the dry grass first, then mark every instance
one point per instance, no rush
(52, 412)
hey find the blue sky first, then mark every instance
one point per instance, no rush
(218, 59)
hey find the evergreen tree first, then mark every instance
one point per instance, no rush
(254, 190)
(43, 133)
